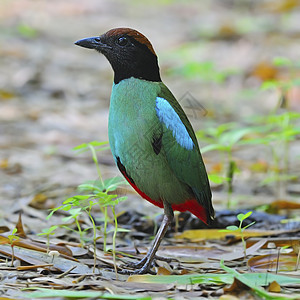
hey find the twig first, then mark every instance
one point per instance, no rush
(66, 273)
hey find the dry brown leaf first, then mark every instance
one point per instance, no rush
(264, 71)
(275, 242)
(38, 200)
(284, 204)
(236, 287)
(273, 262)
(228, 297)
(240, 254)
(33, 267)
(20, 229)
(10, 168)
(163, 271)
(191, 254)
(274, 287)
(228, 31)
(6, 95)
(28, 244)
(4, 163)
(61, 263)
(197, 235)
(259, 166)
(217, 168)
(3, 229)
(282, 6)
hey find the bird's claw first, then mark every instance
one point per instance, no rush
(143, 266)
(137, 272)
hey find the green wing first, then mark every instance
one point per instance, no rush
(186, 164)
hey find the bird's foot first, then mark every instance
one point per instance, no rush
(144, 266)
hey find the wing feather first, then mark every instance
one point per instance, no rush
(181, 148)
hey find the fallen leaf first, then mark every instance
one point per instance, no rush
(20, 230)
(52, 293)
(239, 254)
(259, 166)
(163, 271)
(33, 267)
(274, 287)
(6, 95)
(197, 235)
(183, 279)
(29, 244)
(3, 229)
(255, 282)
(38, 200)
(191, 254)
(284, 204)
(275, 242)
(264, 71)
(39, 258)
(228, 297)
(282, 6)
(236, 286)
(273, 262)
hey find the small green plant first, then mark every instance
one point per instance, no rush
(240, 229)
(102, 193)
(276, 132)
(94, 193)
(206, 71)
(224, 138)
(282, 123)
(12, 238)
(75, 213)
(47, 232)
(27, 31)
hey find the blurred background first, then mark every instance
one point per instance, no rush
(237, 60)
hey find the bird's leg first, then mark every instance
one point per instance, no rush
(146, 262)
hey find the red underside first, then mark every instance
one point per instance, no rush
(191, 205)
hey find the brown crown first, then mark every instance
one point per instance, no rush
(139, 37)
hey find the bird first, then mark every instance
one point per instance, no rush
(151, 139)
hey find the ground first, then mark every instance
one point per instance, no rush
(214, 56)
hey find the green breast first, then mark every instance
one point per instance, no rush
(133, 123)
(132, 116)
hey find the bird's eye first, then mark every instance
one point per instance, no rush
(98, 39)
(122, 41)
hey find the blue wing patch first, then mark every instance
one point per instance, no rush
(167, 115)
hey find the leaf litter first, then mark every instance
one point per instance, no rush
(43, 116)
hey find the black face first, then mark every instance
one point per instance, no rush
(127, 56)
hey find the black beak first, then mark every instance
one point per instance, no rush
(92, 43)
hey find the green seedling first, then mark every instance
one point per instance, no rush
(98, 192)
(102, 190)
(206, 71)
(116, 229)
(27, 31)
(85, 204)
(240, 229)
(283, 128)
(100, 184)
(75, 213)
(276, 132)
(225, 138)
(105, 200)
(93, 147)
(12, 238)
(47, 232)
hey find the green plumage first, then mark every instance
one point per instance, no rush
(175, 174)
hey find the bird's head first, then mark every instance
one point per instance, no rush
(129, 52)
